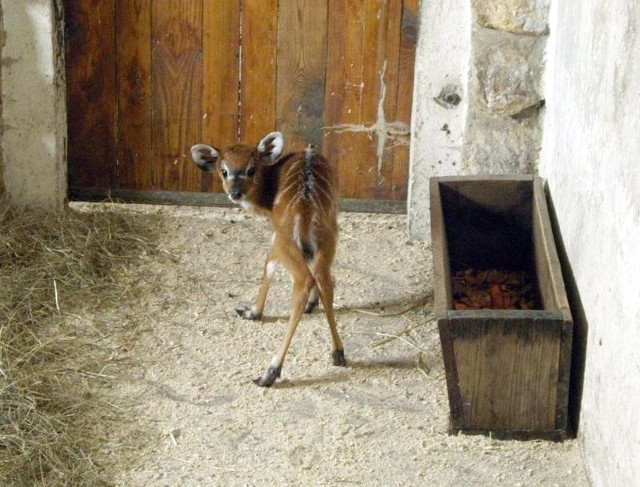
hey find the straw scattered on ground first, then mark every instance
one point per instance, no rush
(54, 270)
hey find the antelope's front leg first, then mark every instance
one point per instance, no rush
(254, 312)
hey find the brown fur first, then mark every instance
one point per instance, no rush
(298, 193)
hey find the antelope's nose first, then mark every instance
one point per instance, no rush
(235, 194)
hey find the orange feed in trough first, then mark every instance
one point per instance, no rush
(493, 289)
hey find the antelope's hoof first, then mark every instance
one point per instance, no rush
(248, 312)
(311, 305)
(269, 377)
(337, 356)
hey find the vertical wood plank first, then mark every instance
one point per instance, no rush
(258, 71)
(363, 125)
(345, 135)
(391, 134)
(133, 48)
(404, 100)
(221, 79)
(381, 76)
(221, 68)
(91, 94)
(301, 64)
(176, 92)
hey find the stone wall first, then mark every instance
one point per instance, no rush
(503, 129)
(478, 102)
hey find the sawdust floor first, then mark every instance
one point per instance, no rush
(199, 421)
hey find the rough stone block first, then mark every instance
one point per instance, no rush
(508, 72)
(517, 16)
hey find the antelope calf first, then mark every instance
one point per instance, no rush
(297, 192)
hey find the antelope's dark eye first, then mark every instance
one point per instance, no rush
(251, 171)
(224, 173)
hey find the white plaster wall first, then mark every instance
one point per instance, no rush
(442, 62)
(34, 126)
(591, 160)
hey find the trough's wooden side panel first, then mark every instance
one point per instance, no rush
(176, 91)
(440, 249)
(301, 65)
(507, 370)
(133, 48)
(553, 293)
(91, 94)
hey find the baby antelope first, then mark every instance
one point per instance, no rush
(298, 193)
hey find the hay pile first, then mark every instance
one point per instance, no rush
(55, 269)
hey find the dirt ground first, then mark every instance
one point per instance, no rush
(198, 420)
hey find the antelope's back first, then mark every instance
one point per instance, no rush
(307, 187)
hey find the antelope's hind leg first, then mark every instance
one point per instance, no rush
(303, 284)
(324, 283)
(313, 300)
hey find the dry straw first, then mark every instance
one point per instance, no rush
(55, 269)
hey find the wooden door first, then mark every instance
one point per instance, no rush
(149, 78)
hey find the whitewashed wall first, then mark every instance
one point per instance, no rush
(591, 160)
(439, 119)
(34, 118)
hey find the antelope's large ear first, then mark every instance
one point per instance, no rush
(271, 146)
(205, 157)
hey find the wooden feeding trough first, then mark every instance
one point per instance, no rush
(507, 369)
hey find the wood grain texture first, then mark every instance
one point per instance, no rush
(301, 65)
(258, 77)
(549, 270)
(221, 79)
(176, 92)
(393, 175)
(367, 79)
(399, 174)
(149, 78)
(134, 107)
(345, 135)
(507, 371)
(90, 71)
